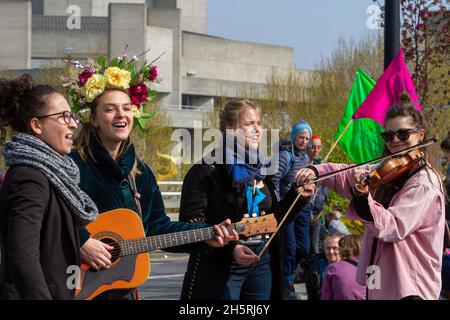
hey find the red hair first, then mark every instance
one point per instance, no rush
(315, 136)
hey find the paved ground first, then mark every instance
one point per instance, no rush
(166, 277)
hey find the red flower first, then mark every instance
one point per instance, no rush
(138, 94)
(153, 73)
(84, 76)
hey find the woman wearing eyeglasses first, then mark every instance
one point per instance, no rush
(404, 221)
(41, 205)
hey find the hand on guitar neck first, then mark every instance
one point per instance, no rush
(122, 230)
(96, 253)
(223, 235)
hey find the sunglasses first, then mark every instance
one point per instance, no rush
(66, 115)
(402, 134)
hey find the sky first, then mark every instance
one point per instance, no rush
(312, 28)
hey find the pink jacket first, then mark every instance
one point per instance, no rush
(410, 233)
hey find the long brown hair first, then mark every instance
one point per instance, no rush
(349, 246)
(88, 133)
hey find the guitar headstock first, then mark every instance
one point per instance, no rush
(258, 225)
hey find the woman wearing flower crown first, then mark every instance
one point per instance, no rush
(41, 204)
(111, 171)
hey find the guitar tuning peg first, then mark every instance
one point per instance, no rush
(267, 236)
(246, 215)
(254, 215)
(263, 213)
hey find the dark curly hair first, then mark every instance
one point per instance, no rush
(406, 108)
(20, 101)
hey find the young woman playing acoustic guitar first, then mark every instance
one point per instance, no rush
(110, 168)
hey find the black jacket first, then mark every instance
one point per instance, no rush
(208, 194)
(38, 236)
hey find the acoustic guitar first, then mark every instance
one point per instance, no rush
(130, 268)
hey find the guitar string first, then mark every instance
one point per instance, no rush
(127, 247)
(136, 244)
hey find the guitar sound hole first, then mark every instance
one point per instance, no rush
(115, 253)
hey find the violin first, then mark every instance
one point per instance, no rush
(392, 169)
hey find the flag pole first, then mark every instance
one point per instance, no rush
(336, 142)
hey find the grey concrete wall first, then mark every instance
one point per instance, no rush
(85, 44)
(193, 13)
(128, 24)
(15, 34)
(161, 41)
(218, 58)
(100, 7)
(186, 118)
(222, 88)
(171, 19)
(59, 7)
(165, 4)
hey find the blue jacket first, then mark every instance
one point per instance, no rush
(289, 164)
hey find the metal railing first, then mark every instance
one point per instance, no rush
(187, 107)
(171, 198)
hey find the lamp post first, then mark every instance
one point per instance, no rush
(391, 30)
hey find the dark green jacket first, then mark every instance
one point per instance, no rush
(101, 178)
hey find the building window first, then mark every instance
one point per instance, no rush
(37, 7)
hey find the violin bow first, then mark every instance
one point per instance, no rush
(301, 191)
(331, 174)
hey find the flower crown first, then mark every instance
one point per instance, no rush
(99, 75)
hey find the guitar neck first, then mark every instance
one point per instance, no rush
(135, 246)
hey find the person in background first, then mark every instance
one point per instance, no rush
(339, 280)
(445, 146)
(311, 264)
(296, 242)
(334, 224)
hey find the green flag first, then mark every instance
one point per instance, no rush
(362, 140)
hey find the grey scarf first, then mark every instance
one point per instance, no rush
(63, 173)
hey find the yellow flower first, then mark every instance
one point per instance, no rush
(135, 111)
(117, 78)
(85, 115)
(94, 87)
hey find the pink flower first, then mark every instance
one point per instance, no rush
(84, 76)
(138, 94)
(153, 73)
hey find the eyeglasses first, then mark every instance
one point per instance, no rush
(66, 115)
(402, 134)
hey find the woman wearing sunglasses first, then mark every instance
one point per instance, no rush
(401, 254)
(41, 205)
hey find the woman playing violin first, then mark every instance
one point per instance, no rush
(404, 219)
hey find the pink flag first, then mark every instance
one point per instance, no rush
(395, 79)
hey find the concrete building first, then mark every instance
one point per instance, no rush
(195, 68)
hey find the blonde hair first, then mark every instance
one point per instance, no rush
(232, 110)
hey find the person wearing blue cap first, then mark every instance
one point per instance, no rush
(295, 235)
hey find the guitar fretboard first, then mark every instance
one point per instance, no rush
(168, 240)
